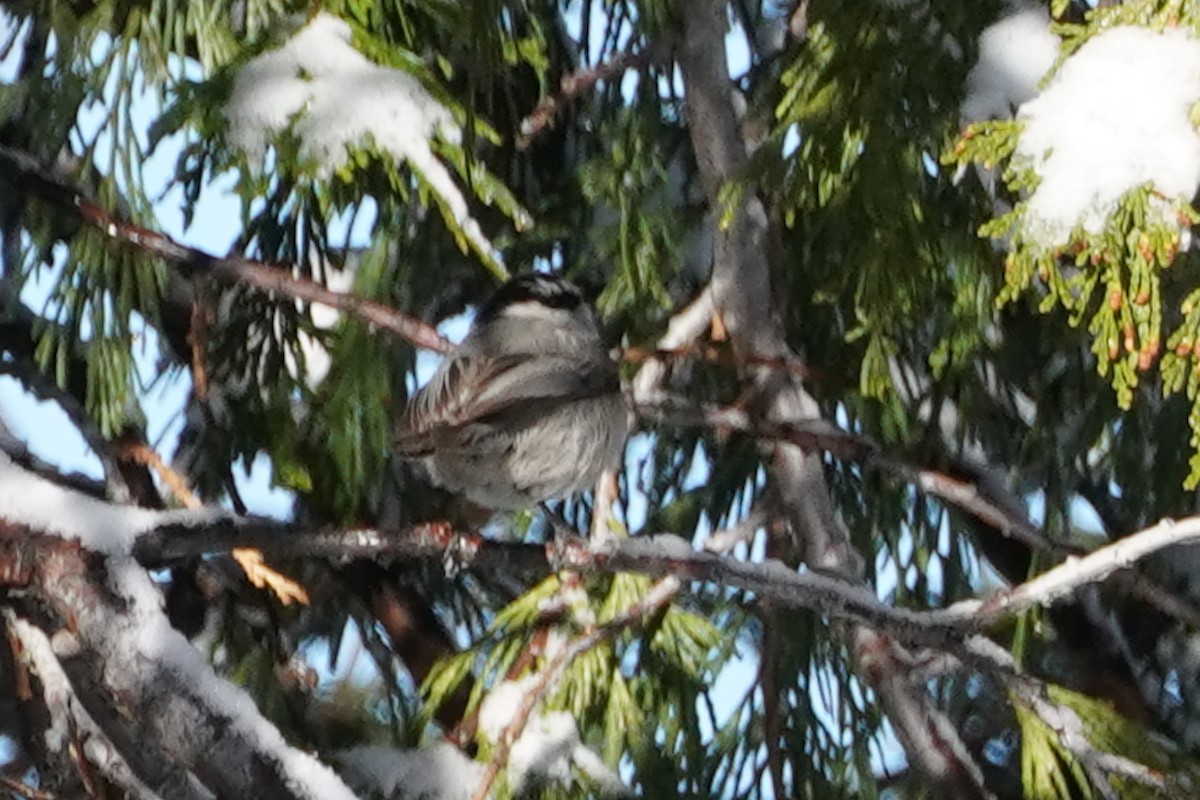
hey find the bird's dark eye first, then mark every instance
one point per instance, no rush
(548, 290)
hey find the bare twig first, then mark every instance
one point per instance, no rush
(24, 790)
(655, 556)
(576, 83)
(684, 328)
(18, 451)
(24, 173)
(819, 435)
(257, 571)
(44, 388)
(709, 353)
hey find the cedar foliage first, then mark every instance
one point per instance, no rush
(913, 331)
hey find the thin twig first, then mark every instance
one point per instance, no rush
(24, 790)
(819, 435)
(576, 83)
(23, 172)
(146, 456)
(260, 574)
(44, 388)
(713, 354)
(656, 598)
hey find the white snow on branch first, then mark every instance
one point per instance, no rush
(438, 772)
(28, 499)
(70, 721)
(1114, 117)
(144, 644)
(332, 98)
(549, 745)
(1014, 55)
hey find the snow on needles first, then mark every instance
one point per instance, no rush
(438, 772)
(326, 93)
(1114, 117)
(1014, 55)
(548, 747)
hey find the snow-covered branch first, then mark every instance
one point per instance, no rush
(139, 679)
(156, 539)
(1068, 577)
(76, 555)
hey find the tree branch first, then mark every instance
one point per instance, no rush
(72, 705)
(64, 576)
(124, 479)
(23, 173)
(1062, 581)
(816, 435)
(146, 684)
(163, 537)
(741, 287)
(656, 598)
(576, 83)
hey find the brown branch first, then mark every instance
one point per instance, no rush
(817, 435)
(19, 789)
(258, 572)
(18, 338)
(22, 172)
(576, 83)
(656, 556)
(683, 329)
(712, 354)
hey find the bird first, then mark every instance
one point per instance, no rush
(527, 409)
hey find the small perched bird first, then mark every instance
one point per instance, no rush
(528, 408)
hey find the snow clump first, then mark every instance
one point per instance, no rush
(1116, 115)
(332, 98)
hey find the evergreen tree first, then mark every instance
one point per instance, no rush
(904, 299)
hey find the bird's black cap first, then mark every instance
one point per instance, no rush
(549, 290)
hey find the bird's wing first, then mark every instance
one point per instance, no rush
(511, 385)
